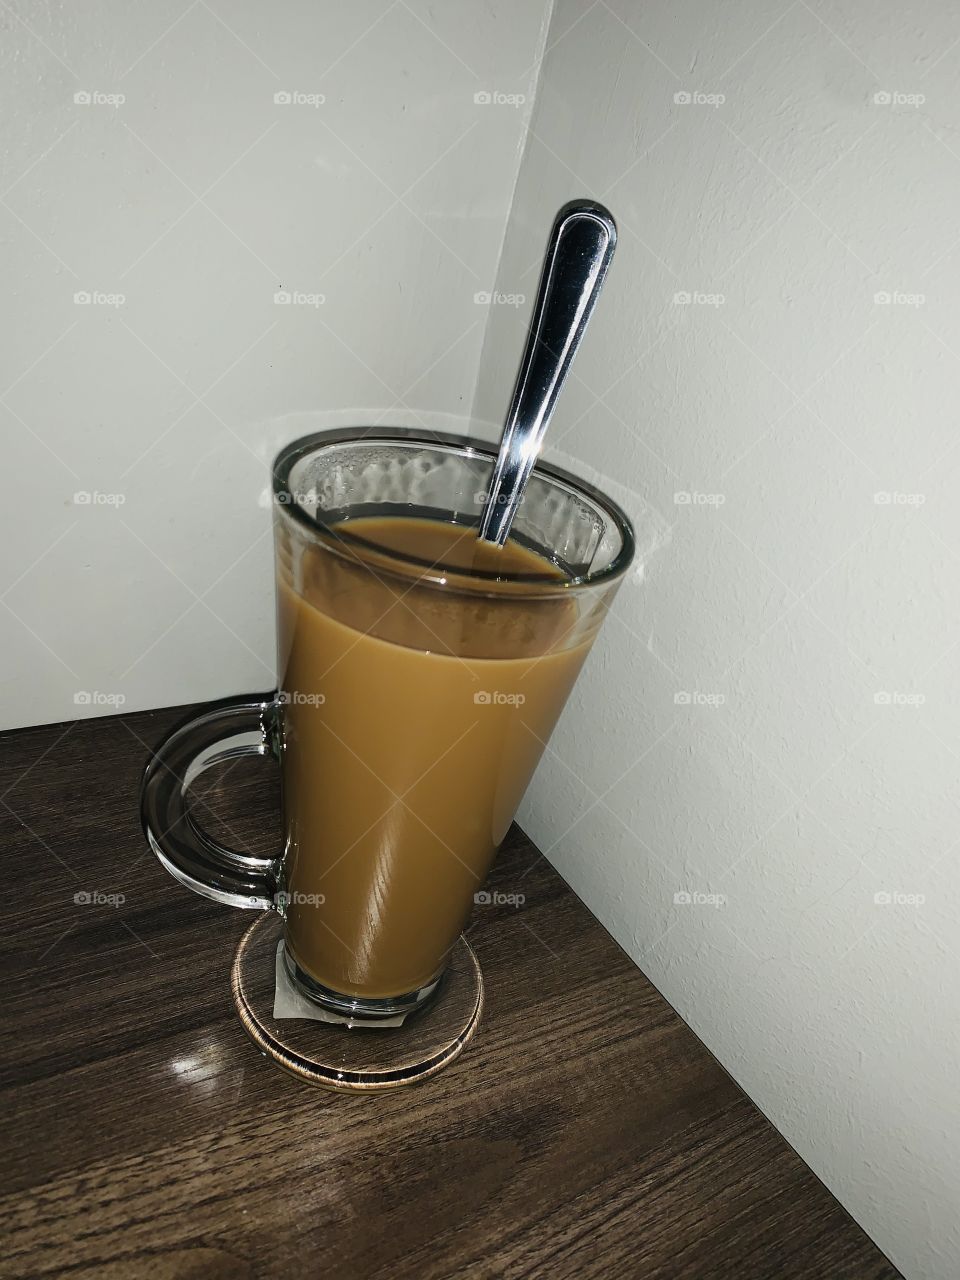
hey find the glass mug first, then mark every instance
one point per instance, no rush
(419, 678)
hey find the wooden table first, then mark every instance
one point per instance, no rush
(585, 1132)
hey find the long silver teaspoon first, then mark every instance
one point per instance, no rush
(579, 251)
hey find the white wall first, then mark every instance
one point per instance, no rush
(198, 198)
(802, 600)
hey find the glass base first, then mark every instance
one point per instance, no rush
(350, 1054)
(351, 1011)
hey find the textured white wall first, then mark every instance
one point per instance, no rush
(804, 617)
(198, 198)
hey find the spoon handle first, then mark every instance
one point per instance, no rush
(579, 251)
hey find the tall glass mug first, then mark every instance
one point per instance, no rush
(420, 675)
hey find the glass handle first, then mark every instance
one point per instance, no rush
(247, 727)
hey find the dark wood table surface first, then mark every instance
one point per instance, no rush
(585, 1131)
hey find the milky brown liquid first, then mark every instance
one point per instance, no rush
(412, 724)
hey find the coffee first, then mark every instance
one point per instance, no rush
(413, 718)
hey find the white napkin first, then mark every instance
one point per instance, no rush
(289, 1003)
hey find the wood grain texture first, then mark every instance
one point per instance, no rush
(585, 1132)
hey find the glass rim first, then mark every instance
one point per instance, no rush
(356, 548)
